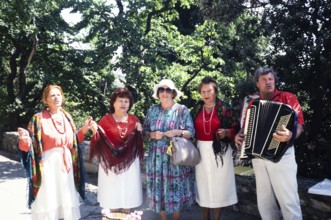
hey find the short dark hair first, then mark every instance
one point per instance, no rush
(121, 93)
(263, 71)
(208, 80)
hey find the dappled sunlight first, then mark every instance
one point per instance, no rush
(15, 170)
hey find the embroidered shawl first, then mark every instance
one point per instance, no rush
(32, 160)
(116, 153)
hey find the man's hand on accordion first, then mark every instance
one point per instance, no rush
(282, 135)
(239, 139)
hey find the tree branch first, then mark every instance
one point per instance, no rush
(195, 73)
(26, 58)
(151, 14)
(120, 6)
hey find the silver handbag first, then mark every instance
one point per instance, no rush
(184, 152)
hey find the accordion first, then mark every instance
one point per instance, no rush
(263, 118)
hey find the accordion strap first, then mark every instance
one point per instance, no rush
(294, 132)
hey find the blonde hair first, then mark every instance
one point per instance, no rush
(46, 91)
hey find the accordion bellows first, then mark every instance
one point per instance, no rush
(262, 119)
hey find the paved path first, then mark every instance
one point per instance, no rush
(13, 197)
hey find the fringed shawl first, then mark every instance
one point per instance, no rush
(116, 157)
(32, 160)
(228, 121)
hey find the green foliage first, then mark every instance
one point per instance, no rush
(224, 11)
(165, 44)
(52, 59)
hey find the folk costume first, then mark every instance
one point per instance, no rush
(215, 179)
(54, 167)
(119, 147)
(170, 188)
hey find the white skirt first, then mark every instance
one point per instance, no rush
(123, 190)
(215, 185)
(57, 197)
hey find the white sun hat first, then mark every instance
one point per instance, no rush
(170, 84)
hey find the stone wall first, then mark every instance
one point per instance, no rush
(90, 166)
(9, 142)
(314, 207)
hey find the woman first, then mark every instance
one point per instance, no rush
(119, 145)
(214, 175)
(170, 188)
(52, 159)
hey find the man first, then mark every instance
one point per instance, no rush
(276, 183)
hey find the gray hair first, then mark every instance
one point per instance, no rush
(263, 71)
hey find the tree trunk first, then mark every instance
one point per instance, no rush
(24, 56)
(13, 114)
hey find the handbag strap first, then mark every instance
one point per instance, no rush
(179, 115)
(180, 110)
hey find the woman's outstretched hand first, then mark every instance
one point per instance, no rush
(139, 127)
(24, 139)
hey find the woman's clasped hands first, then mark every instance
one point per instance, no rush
(157, 135)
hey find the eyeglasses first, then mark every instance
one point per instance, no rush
(161, 89)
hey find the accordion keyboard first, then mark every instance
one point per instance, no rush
(284, 120)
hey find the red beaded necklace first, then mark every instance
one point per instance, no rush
(121, 130)
(54, 123)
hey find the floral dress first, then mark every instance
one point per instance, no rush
(170, 188)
